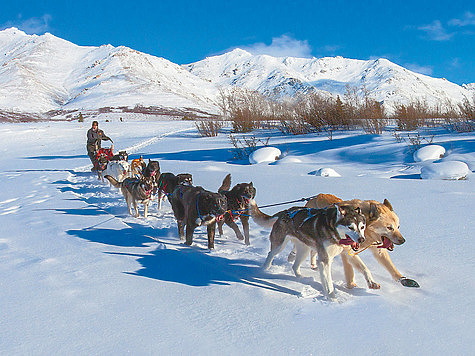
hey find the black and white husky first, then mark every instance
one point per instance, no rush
(323, 230)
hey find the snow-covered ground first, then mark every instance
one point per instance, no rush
(80, 276)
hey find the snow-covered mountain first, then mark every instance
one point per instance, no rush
(280, 76)
(43, 73)
(470, 86)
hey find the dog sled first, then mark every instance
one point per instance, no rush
(101, 159)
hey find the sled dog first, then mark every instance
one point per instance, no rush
(168, 182)
(134, 190)
(323, 230)
(238, 200)
(381, 234)
(195, 206)
(136, 167)
(119, 170)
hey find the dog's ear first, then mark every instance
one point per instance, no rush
(388, 204)
(342, 209)
(250, 183)
(358, 210)
(373, 212)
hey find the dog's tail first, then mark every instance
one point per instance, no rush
(261, 218)
(226, 184)
(113, 181)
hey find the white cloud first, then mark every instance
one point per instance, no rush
(427, 70)
(32, 25)
(436, 32)
(283, 46)
(468, 19)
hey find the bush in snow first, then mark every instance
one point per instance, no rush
(430, 152)
(209, 128)
(245, 145)
(451, 170)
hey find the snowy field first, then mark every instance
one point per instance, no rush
(80, 276)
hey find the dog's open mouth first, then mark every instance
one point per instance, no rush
(348, 241)
(246, 200)
(386, 243)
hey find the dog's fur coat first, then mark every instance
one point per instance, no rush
(134, 190)
(382, 232)
(195, 206)
(316, 229)
(238, 200)
(137, 167)
(118, 170)
(168, 182)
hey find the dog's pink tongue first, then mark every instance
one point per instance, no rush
(387, 244)
(348, 241)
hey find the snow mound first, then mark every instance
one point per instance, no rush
(289, 159)
(431, 152)
(445, 170)
(265, 154)
(326, 172)
(469, 159)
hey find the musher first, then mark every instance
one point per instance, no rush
(94, 138)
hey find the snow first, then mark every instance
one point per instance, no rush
(78, 275)
(326, 172)
(288, 159)
(264, 155)
(279, 77)
(429, 152)
(65, 76)
(445, 170)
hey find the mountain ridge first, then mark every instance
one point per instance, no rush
(65, 76)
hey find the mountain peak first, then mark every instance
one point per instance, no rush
(12, 32)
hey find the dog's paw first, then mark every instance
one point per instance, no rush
(407, 282)
(351, 285)
(314, 266)
(373, 285)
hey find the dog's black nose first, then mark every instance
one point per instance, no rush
(361, 240)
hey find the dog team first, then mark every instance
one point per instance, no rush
(324, 228)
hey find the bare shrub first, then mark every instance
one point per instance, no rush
(467, 109)
(209, 128)
(244, 146)
(411, 116)
(415, 141)
(246, 109)
(466, 117)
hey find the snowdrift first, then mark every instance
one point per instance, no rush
(430, 152)
(264, 155)
(449, 170)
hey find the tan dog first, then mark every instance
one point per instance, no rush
(381, 233)
(137, 167)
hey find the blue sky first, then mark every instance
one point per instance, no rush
(431, 37)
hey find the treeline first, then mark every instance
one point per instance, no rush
(314, 112)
